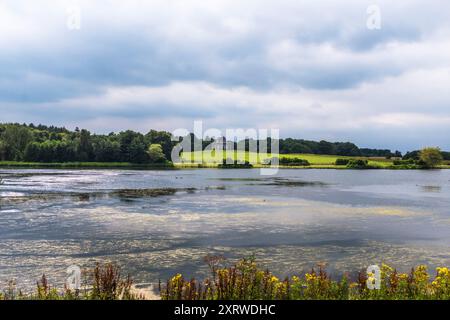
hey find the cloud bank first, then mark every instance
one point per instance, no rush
(311, 68)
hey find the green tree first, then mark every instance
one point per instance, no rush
(156, 154)
(84, 146)
(3, 150)
(16, 139)
(162, 138)
(431, 157)
(137, 152)
(106, 150)
(33, 152)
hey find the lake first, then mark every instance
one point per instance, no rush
(51, 219)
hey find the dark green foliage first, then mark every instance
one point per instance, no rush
(235, 165)
(380, 153)
(414, 155)
(446, 155)
(427, 158)
(294, 162)
(358, 164)
(403, 162)
(20, 142)
(15, 139)
(342, 162)
(290, 146)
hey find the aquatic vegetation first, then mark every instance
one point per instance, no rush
(293, 183)
(275, 181)
(142, 193)
(246, 281)
(90, 196)
(235, 165)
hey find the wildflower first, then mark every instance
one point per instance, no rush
(403, 276)
(176, 278)
(386, 269)
(444, 272)
(421, 274)
(274, 279)
(310, 276)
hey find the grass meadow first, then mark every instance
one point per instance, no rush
(211, 159)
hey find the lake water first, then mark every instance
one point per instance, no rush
(51, 219)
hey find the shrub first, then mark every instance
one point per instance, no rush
(358, 164)
(270, 161)
(431, 157)
(403, 162)
(342, 162)
(235, 165)
(294, 162)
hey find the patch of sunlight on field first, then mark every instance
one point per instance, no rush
(211, 157)
(214, 158)
(315, 158)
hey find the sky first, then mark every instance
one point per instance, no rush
(376, 73)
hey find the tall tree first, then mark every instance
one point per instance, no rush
(432, 157)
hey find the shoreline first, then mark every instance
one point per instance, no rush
(132, 166)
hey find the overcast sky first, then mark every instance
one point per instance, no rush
(313, 69)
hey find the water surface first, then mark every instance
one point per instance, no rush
(51, 219)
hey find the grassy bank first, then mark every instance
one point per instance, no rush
(211, 160)
(88, 165)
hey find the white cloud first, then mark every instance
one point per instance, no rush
(311, 68)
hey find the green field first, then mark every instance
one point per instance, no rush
(210, 161)
(206, 158)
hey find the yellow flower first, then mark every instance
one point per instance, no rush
(274, 279)
(403, 276)
(177, 277)
(443, 272)
(386, 269)
(310, 276)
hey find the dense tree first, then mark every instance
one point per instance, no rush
(137, 151)
(412, 155)
(156, 154)
(53, 144)
(163, 138)
(16, 139)
(4, 151)
(106, 150)
(431, 157)
(445, 155)
(84, 148)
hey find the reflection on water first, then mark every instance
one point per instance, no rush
(156, 223)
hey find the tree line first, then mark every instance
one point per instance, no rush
(290, 146)
(21, 142)
(40, 143)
